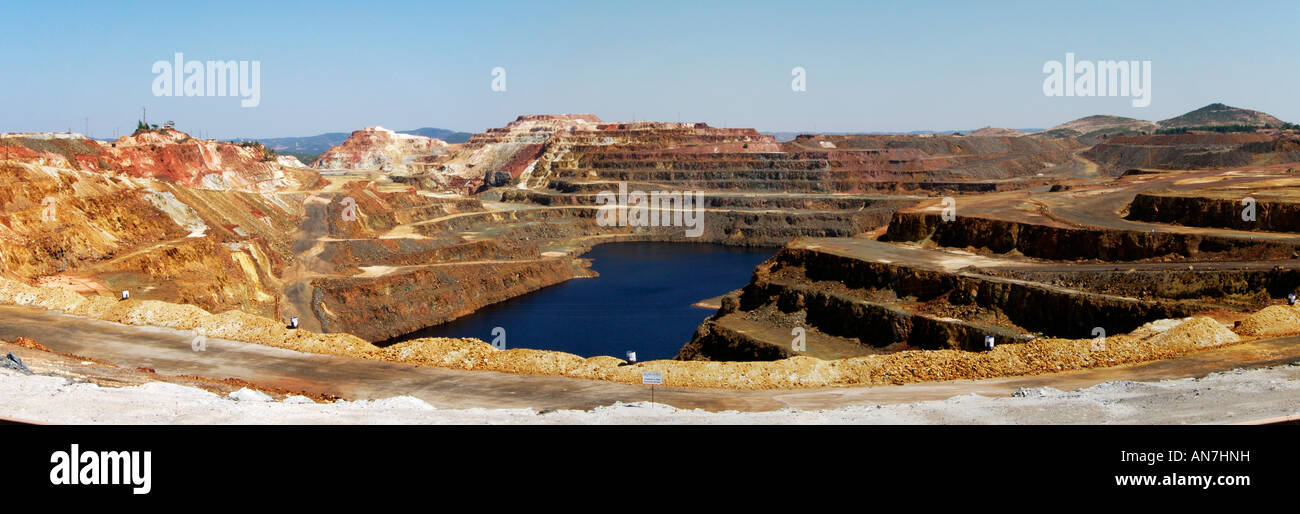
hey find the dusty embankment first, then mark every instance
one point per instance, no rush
(1035, 357)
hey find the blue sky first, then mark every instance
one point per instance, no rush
(871, 66)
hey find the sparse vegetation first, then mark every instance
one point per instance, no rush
(142, 127)
(1222, 129)
(267, 153)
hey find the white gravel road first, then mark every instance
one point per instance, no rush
(1234, 396)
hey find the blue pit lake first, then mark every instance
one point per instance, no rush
(642, 301)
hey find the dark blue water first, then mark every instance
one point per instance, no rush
(641, 301)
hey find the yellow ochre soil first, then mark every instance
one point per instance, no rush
(1035, 357)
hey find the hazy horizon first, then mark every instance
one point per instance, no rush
(869, 68)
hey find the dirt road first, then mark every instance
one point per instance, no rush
(170, 352)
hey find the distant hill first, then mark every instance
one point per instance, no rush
(307, 148)
(1219, 115)
(996, 132)
(1092, 128)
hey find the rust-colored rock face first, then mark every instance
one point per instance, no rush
(377, 148)
(158, 213)
(175, 157)
(552, 151)
(165, 154)
(219, 250)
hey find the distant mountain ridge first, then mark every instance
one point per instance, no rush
(1091, 129)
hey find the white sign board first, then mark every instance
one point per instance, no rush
(652, 378)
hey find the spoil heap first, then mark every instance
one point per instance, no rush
(1193, 151)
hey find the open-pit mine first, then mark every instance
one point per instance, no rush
(1106, 245)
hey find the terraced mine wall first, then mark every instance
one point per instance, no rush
(754, 228)
(700, 157)
(1066, 243)
(938, 158)
(769, 229)
(750, 221)
(768, 173)
(873, 324)
(1239, 289)
(834, 294)
(736, 201)
(1056, 311)
(1197, 211)
(895, 187)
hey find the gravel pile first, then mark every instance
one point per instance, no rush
(1274, 320)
